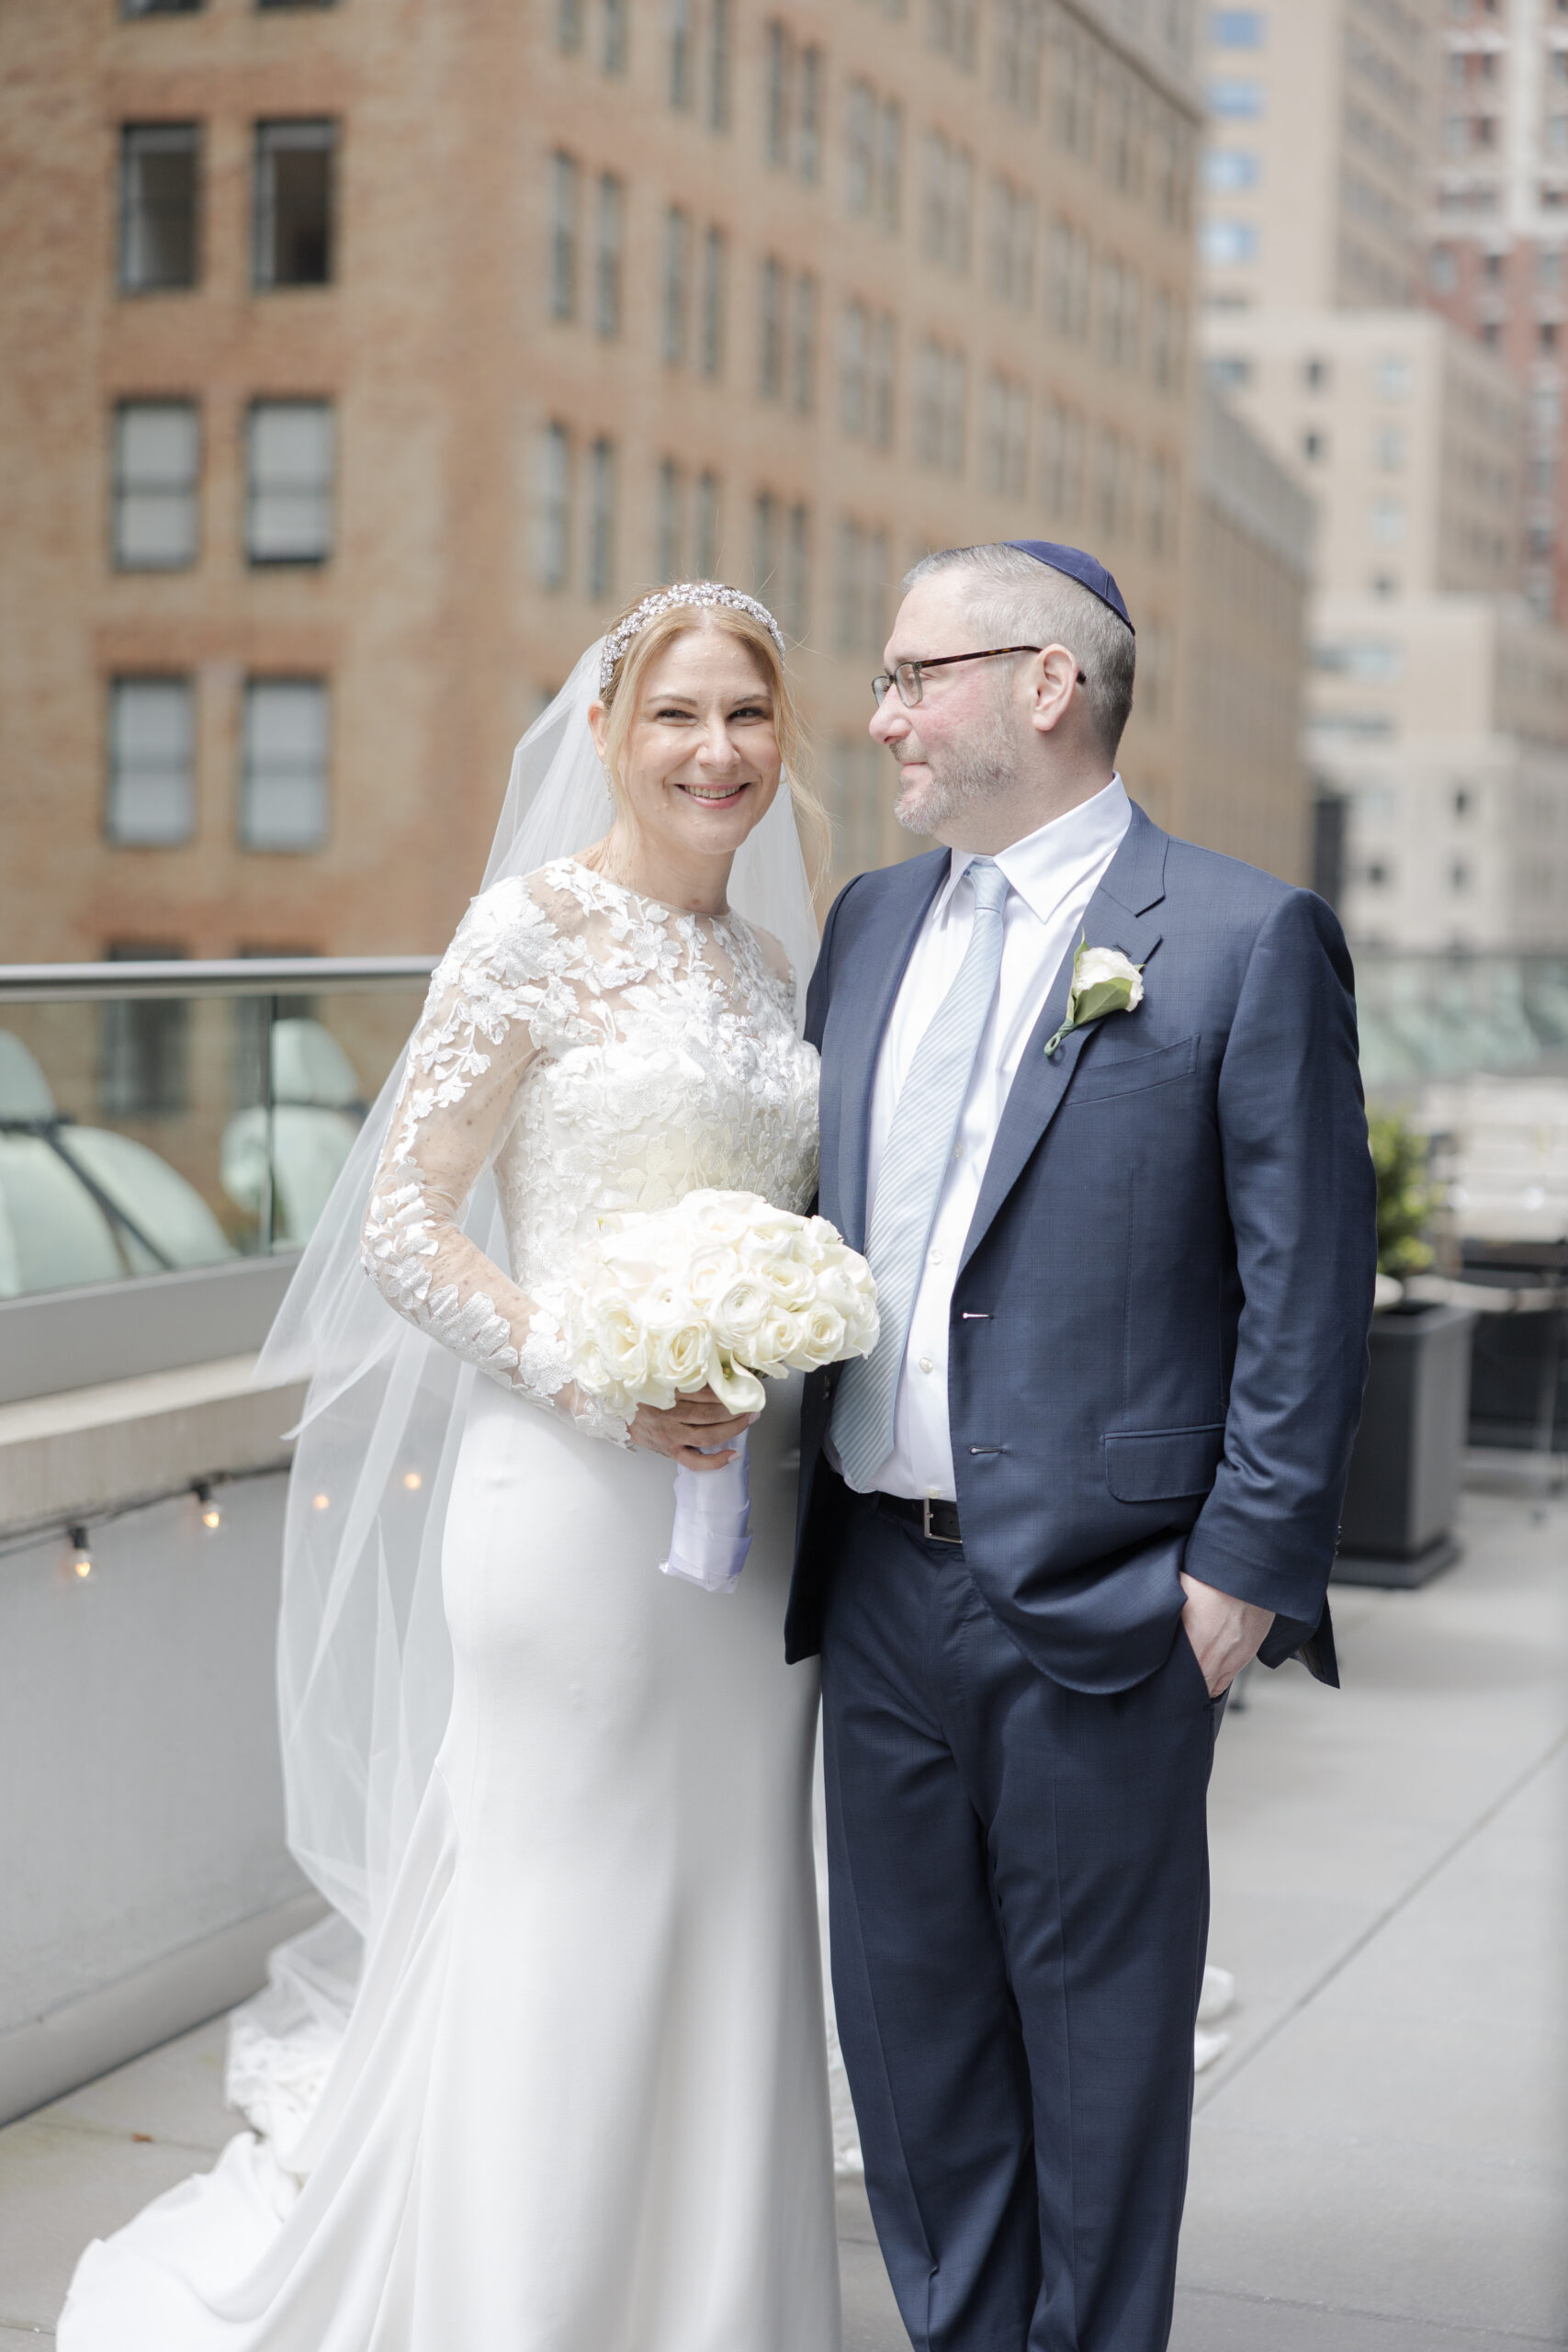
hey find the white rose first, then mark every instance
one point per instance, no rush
(737, 1314)
(822, 1341)
(712, 1269)
(682, 1356)
(1097, 965)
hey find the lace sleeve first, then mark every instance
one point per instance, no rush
(467, 1060)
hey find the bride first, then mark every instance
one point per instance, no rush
(581, 2104)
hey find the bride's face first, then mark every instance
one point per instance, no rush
(701, 764)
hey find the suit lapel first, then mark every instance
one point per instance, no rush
(1124, 912)
(863, 990)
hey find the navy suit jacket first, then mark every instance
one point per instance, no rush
(1158, 1336)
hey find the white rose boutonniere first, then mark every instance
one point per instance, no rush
(1104, 981)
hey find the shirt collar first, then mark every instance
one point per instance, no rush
(1043, 866)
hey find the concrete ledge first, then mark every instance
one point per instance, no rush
(55, 2053)
(88, 1450)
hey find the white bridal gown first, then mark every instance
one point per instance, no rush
(581, 2105)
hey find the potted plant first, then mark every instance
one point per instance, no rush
(1408, 1461)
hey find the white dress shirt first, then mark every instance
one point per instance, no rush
(1054, 874)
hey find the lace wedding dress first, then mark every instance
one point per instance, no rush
(581, 2105)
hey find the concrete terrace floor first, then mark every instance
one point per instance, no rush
(1380, 2159)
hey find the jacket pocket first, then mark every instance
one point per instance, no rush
(1093, 1080)
(1154, 1465)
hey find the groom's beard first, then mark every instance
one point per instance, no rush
(965, 778)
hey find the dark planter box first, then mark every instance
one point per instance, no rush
(1408, 1461)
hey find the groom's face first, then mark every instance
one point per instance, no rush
(962, 739)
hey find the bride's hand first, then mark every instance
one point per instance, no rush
(690, 1424)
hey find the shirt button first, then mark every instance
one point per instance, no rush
(925, 1363)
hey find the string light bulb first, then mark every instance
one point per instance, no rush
(320, 1502)
(81, 1554)
(413, 1481)
(212, 1515)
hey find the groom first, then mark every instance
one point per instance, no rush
(1123, 1239)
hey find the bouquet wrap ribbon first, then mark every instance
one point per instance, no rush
(712, 1532)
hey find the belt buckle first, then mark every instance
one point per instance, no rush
(930, 1534)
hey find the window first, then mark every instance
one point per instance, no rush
(711, 356)
(1228, 375)
(947, 203)
(1160, 509)
(808, 143)
(778, 71)
(1237, 101)
(1316, 375)
(803, 345)
(144, 1044)
(1004, 465)
(1067, 284)
(1018, 52)
(764, 543)
(563, 236)
(884, 330)
(157, 465)
(861, 133)
(616, 29)
(568, 26)
(857, 781)
(1228, 169)
(555, 507)
(860, 591)
(1225, 245)
(721, 48)
(160, 7)
(950, 31)
(855, 353)
(1061, 462)
(296, 4)
(288, 514)
(294, 203)
(1390, 449)
(677, 251)
(601, 518)
(1010, 244)
(1315, 447)
(771, 330)
(796, 614)
(150, 800)
(159, 206)
(682, 66)
(1393, 378)
(1442, 269)
(1462, 803)
(1236, 27)
(668, 530)
(941, 406)
(705, 517)
(1385, 520)
(283, 787)
(607, 254)
(890, 167)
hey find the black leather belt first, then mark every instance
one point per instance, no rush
(937, 1521)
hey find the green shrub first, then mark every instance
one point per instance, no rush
(1405, 1196)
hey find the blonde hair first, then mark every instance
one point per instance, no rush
(621, 698)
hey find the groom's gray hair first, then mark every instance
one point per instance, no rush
(1015, 600)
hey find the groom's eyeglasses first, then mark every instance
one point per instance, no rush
(909, 677)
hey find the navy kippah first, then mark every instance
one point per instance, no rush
(1087, 569)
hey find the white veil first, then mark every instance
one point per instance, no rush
(364, 1666)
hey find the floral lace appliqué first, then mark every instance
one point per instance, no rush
(594, 1050)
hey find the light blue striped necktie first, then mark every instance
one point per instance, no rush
(909, 1181)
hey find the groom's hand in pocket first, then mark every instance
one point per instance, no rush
(697, 1431)
(1225, 1633)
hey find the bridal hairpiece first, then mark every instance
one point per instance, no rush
(665, 600)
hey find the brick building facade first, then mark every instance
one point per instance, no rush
(363, 359)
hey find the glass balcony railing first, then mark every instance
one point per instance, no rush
(158, 1117)
(1450, 1017)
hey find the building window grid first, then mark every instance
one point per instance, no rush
(615, 53)
(554, 507)
(290, 468)
(714, 305)
(563, 235)
(721, 54)
(764, 543)
(601, 571)
(149, 799)
(156, 479)
(677, 272)
(796, 599)
(811, 81)
(284, 790)
(707, 517)
(1004, 447)
(778, 71)
(160, 207)
(683, 56)
(803, 309)
(609, 247)
(1019, 55)
(671, 514)
(952, 30)
(292, 238)
(1010, 244)
(772, 282)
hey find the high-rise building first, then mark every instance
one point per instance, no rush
(1436, 706)
(362, 362)
(1312, 174)
(1497, 230)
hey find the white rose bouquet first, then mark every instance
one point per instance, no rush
(712, 1293)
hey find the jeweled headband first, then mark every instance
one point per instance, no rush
(666, 600)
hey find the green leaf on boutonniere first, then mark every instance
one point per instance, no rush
(1104, 981)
